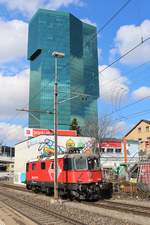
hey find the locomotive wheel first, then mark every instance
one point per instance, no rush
(28, 187)
(71, 197)
(36, 190)
(48, 191)
(107, 194)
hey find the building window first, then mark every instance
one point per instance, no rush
(147, 129)
(139, 139)
(42, 165)
(118, 150)
(102, 150)
(109, 150)
(139, 129)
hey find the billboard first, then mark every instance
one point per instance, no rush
(34, 132)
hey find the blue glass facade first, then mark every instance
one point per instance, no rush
(51, 31)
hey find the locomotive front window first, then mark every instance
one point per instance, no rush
(34, 166)
(81, 164)
(43, 165)
(93, 164)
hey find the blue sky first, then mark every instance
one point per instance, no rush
(124, 87)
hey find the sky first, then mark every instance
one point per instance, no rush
(124, 85)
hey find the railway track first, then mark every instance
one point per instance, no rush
(19, 188)
(108, 204)
(36, 213)
(123, 207)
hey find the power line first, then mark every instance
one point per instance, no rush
(101, 29)
(128, 105)
(126, 53)
(128, 72)
(126, 117)
(114, 16)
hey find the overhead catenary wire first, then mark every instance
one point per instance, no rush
(128, 105)
(126, 73)
(127, 117)
(139, 113)
(138, 18)
(125, 54)
(122, 107)
(106, 24)
(116, 13)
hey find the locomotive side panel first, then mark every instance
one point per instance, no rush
(80, 179)
(84, 176)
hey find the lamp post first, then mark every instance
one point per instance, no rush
(56, 55)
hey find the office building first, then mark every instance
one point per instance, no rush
(78, 83)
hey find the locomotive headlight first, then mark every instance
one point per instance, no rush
(100, 185)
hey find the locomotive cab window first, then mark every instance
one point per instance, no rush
(81, 163)
(68, 164)
(27, 167)
(93, 163)
(43, 165)
(34, 166)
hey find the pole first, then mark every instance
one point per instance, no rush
(56, 55)
(125, 150)
(55, 130)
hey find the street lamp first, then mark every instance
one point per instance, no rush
(56, 55)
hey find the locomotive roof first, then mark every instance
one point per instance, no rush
(83, 155)
(77, 155)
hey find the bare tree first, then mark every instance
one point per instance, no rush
(99, 130)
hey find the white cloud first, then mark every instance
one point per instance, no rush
(11, 133)
(120, 126)
(14, 93)
(113, 85)
(55, 4)
(31, 6)
(21, 5)
(112, 54)
(129, 36)
(86, 20)
(13, 40)
(141, 92)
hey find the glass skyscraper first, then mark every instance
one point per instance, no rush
(78, 83)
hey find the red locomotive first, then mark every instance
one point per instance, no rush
(79, 177)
